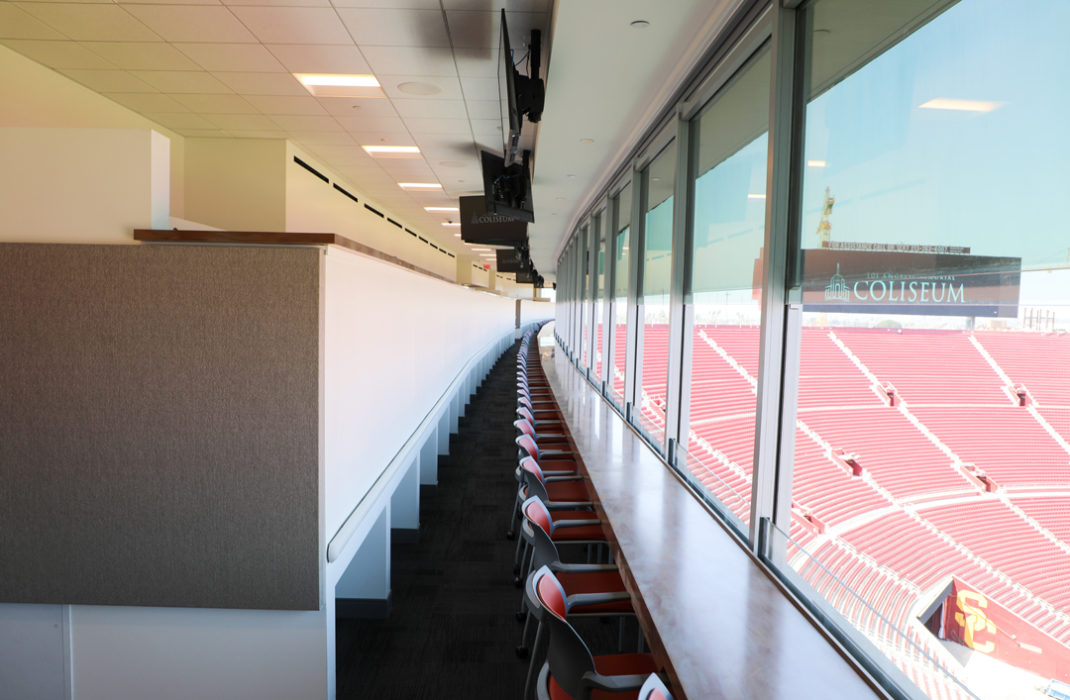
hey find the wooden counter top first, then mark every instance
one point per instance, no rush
(712, 615)
(273, 238)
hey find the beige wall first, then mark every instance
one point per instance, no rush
(236, 184)
(315, 206)
(33, 95)
(63, 185)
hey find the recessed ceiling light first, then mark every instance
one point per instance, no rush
(393, 151)
(457, 235)
(640, 23)
(961, 105)
(560, 199)
(486, 250)
(340, 84)
(451, 223)
(420, 185)
(414, 88)
(816, 163)
(586, 140)
(445, 209)
(755, 196)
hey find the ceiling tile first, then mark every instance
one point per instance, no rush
(430, 125)
(182, 81)
(163, 2)
(294, 25)
(216, 104)
(194, 133)
(306, 122)
(320, 58)
(372, 124)
(321, 138)
(283, 3)
(484, 109)
(18, 24)
(199, 23)
(408, 170)
(440, 109)
(245, 83)
(146, 101)
(109, 80)
(480, 88)
(358, 106)
(183, 120)
(142, 55)
(231, 57)
(477, 63)
(286, 105)
(415, 86)
(344, 154)
(395, 4)
(383, 138)
(58, 54)
(474, 30)
(256, 133)
(378, 27)
(510, 5)
(91, 22)
(414, 60)
(243, 122)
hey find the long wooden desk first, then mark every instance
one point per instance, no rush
(710, 613)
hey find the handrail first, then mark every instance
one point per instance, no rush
(401, 458)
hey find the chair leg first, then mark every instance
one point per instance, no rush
(522, 650)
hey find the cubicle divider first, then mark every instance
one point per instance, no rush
(206, 446)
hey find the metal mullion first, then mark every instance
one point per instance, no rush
(774, 426)
(634, 329)
(683, 192)
(608, 359)
(592, 273)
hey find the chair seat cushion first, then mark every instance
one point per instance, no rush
(567, 491)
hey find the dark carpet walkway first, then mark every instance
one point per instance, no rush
(451, 631)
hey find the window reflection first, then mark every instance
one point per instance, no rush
(658, 179)
(932, 462)
(728, 232)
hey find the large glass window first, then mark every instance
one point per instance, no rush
(725, 281)
(619, 339)
(658, 180)
(931, 478)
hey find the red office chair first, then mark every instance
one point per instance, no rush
(550, 440)
(571, 672)
(576, 578)
(558, 492)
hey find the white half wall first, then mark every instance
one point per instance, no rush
(393, 342)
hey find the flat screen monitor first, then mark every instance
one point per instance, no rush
(511, 260)
(507, 189)
(481, 226)
(507, 80)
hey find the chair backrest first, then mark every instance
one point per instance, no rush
(537, 512)
(543, 549)
(654, 689)
(524, 427)
(531, 479)
(525, 414)
(527, 445)
(568, 656)
(525, 402)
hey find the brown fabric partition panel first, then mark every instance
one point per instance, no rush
(159, 412)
